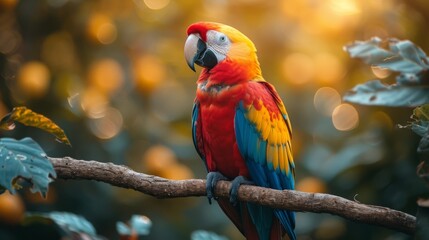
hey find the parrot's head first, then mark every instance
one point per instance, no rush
(212, 45)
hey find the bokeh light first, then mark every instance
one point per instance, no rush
(344, 7)
(345, 117)
(149, 72)
(106, 76)
(380, 72)
(12, 209)
(108, 125)
(329, 68)
(311, 185)
(101, 28)
(156, 4)
(59, 42)
(92, 102)
(298, 68)
(8, 4)
(33, 79)
(161, 161)
(326, 99)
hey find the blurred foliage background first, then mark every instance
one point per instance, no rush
(112, 74)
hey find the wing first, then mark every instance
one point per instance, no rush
(196, 131)
(263, 134)
(233, 212)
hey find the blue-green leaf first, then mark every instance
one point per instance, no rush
(421, 126)
(138, 224)
(398, 56)
(24, 159)
(424, 143)
(412, 78)
(68, 222)
(206, 235)
(376, 93)
(327, 163)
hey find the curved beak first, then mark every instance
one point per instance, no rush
(196, 52)
(191, 48)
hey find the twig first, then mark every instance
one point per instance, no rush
(121, 176)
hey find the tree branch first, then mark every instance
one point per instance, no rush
(121, 176)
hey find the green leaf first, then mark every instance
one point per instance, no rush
(138, 224)
(32, 119)
(420, 125)
(69, 223)
(24, 159)
(376, 93)
(206, 235)
(422, 112)
(399, 56)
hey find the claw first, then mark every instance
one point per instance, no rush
(212, 179)
(235, 184)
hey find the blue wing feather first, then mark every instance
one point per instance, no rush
(195, 127)
(254, 150)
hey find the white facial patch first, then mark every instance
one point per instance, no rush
(219, 43)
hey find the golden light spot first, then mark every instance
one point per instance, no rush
(298, 68)
(94, 103)
(33, 79)
(8, 4)
(156, 4)
(311, 185)
(326, 99)
(345, 117)
(107, 33)
(12, 209)
(344, 7)
(59, 42)
(106, 76)
(107, 126)
(329, 68)
(177, 171)
(156, 158)
(380, 72)
(149, 72)
(101, 28)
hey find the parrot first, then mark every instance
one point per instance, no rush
(240, 128)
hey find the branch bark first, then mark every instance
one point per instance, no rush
(122, 176)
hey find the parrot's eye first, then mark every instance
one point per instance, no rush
(222, 39)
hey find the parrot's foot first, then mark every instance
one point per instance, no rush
(235, 184)
(212, 179)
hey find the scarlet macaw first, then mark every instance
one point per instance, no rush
(240, 127)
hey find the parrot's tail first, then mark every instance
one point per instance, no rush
(241, 218)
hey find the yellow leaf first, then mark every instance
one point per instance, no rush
(29, 118)
(422, 112)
